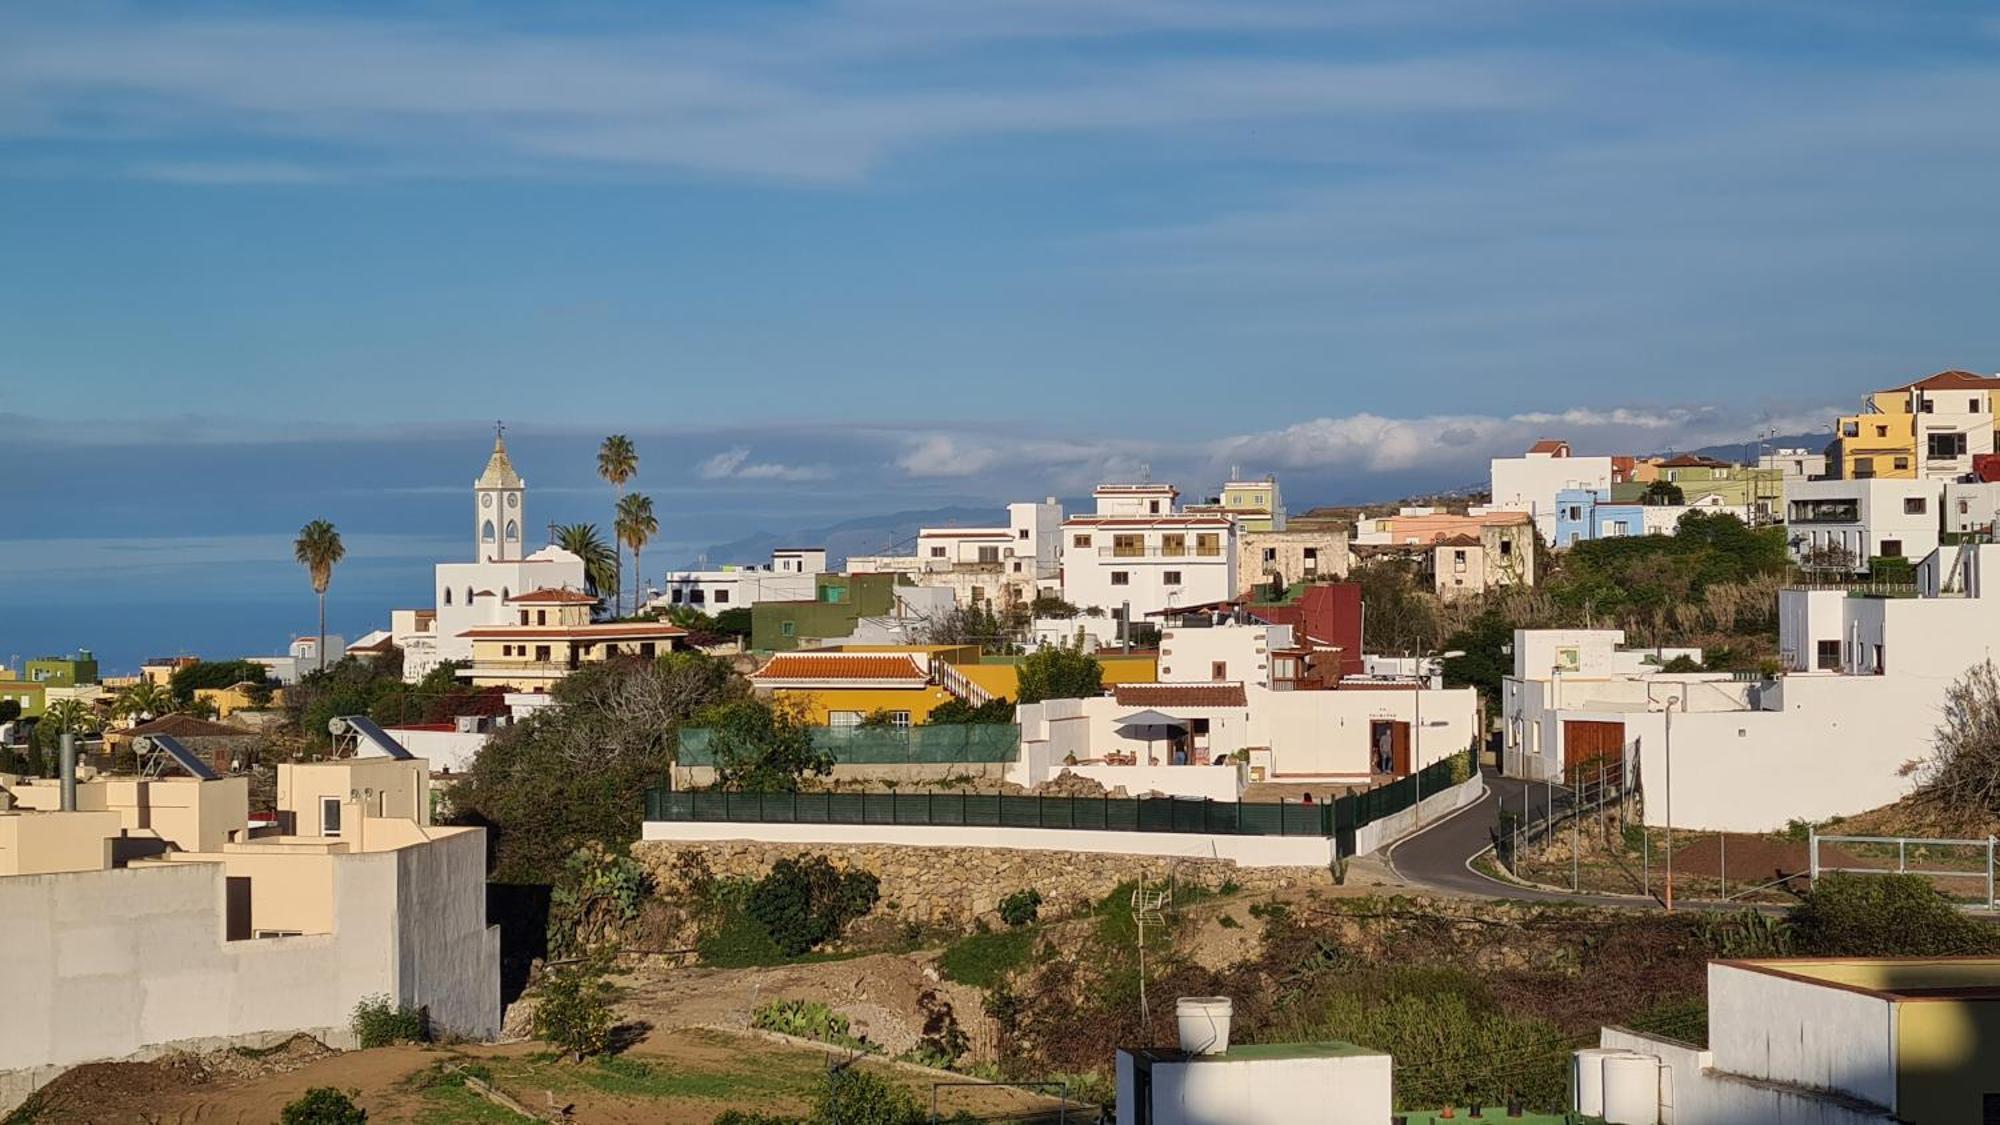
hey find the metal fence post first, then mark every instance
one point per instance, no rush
(1902, 855)
(1722, 843)
(1989, 873)
(1812, 855)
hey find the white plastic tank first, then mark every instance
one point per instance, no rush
(1586, 1071)
(1632, 1090)
(1204, 1023)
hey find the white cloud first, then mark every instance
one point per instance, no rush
(735, 464)
(943, 456)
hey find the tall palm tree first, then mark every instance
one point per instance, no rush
(318, 549)
(636, 524)
(600, 566)
(617, 462)
(70, 716)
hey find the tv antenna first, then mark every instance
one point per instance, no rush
(1148, 909)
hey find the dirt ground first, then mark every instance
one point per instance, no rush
(684, 1077)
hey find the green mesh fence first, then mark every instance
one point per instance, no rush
(944, 744)
(1338, 819)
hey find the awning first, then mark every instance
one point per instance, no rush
(1151, 719)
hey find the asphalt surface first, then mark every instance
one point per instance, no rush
(1440, 857)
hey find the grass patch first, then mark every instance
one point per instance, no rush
(984, 960)
(457, 1104)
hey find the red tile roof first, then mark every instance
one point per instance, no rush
(1693, 461)
(1180, 695)
(184, 726)
(891, 669)
(1147, 521)
(1550, 445)
(555, 595)
(1952, 381)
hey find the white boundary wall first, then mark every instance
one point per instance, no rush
(1247, 851)
(1376, 835)
(1693, 1092)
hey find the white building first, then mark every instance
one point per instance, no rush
(984, 565)
(1529, 483)
(1971, 506)
(1138, 552)
(1862, 519)
(788, 577)
(1329, 1083)
(1810, 1041)
(1861, 692)
(1793, 464)
(478, 594)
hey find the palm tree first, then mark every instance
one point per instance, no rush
(636, 524)
(318, 549)
(144, 700)
(617, 462)
(70, 716)
(600, 565)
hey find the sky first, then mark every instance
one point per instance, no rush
(270, 262)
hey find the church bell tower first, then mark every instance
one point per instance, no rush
(499, 505)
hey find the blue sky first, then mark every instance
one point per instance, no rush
(834, 258)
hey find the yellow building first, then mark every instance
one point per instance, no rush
(843, 689)
(240, 697)
(553, 637)
(1929, 428)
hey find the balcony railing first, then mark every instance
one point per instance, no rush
(1159, 552)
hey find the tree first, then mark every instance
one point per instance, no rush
(857, 1097)
(1828, 556)
(319, 550)
(1060, 672)
(617, 462)
(573, 1009)
(1661, 492)
(190, 678)
(1962, 775)
(1051, 605)
(571, 774)
(958, 711)
(636, 524)
(734, 621)
(967, 625)
(322, 1105)
(10, 709)
(1885, 916)
(147, 699)
(761, 747)
(600, 561)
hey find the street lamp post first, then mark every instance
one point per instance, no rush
(1668, 754)
(1417, 737)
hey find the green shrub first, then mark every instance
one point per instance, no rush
(985, 959)
(807, 1019)
(943, 1042)
(856, 1097)
(1021, 907)
(322, 1105)
(378, 1022)
(1885, 916)
(805, 903)
(573, 1009)
(736, 940)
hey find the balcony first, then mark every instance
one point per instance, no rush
(1159, 552)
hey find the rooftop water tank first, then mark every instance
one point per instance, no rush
(1204, 1023)
(1632, 1090)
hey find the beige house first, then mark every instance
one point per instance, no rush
(158, 915)
(1300, 553)
(552, 636)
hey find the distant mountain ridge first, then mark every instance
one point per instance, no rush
(1746, 452)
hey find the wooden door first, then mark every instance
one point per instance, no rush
(1586, 743)
(1397, 737)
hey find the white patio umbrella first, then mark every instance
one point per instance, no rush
(1151, 721)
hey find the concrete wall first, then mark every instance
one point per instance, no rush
(1347, 1090)
(1692, 1093)
(1376, 835)
(1801, 1033)
(444, 749)
(121, 963)
(40, 843)
(1247, 851)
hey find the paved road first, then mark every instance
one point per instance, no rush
(1440, 856)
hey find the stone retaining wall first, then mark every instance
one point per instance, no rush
(947, 885)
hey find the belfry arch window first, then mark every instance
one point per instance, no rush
(513, 531)
(486, 532)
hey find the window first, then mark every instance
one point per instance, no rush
(722, 597)
(1312, 554)
(1928, 406)
(1153, 507)
(1892, 548)
(1902, 462)
(468, 595)
(513, 531)
(1121, 578)
(833, 595)
(329, 816)
(261, 934)
(1506, 547)
(1944, 447)
(989, 554)
(899, 719)
(1575, 512)
(1864, 467)
(1171, 577)
(486, 532)
(1829, 656)
(1128, 546)
(447, 595)
(1271, 554)
(1881, 431)
(788, 629)
(1022, 534)
(1079, 541)
(1826, 511)
(1218, 670)
(937, 552)
(698, 596)
(843, 720)
(1208, 544)
(1964, 506)
(646, 648)
(541, 617)
(1458, 561)
(978, 595)
(1173, 545)
(542, 653)
(1914, 505)
(1850, 429)
(674, 596)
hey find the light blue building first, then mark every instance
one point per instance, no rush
(1576, 510)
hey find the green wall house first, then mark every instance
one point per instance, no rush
(62, 671)
(33, 698)
(839, 601)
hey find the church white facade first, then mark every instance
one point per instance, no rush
(471, 595)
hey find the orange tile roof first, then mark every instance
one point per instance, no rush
(555, 595)
(1550, 445)
(1147, 521)
(889, 668)
(1951, 380)
(1180, 695)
